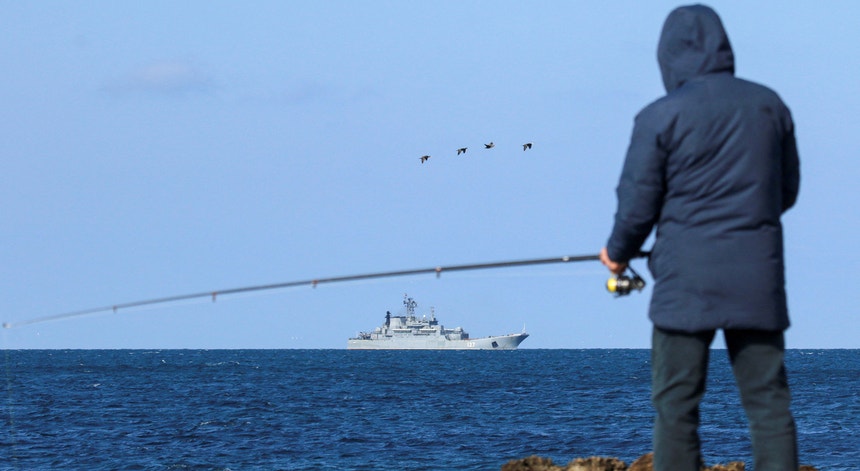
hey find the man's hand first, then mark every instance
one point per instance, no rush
(613, 266)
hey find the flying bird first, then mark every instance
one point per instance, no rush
(461, 150)
(489, 146)
(424, 158)
(527, 145)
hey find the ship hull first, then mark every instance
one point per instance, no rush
(500, 342)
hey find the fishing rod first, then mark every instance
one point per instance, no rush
(620, 285)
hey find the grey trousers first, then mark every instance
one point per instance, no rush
(679, 365)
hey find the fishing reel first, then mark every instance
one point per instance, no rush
(622, 285)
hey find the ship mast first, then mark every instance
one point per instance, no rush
(410, 305)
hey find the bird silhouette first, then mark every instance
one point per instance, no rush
(424, 158)
(527, 145)
(461, 150)
(489, 146)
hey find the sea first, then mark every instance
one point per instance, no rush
(384, 410)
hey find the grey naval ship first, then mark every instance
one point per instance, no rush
(411, 332)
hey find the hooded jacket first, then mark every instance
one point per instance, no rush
(713, 165)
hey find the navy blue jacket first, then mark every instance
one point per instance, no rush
(713, 165)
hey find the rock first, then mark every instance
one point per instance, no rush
(593, 463)
(733, 466)
(643, 463)
(646, 463)
(531, 463)
(597, 463)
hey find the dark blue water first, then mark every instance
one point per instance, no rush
(385, 410)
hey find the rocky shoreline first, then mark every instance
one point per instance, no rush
(598, 463)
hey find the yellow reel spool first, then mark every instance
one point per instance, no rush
(612, 284)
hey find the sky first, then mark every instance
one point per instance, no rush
(160, 148)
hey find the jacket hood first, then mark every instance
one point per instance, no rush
(693, 43)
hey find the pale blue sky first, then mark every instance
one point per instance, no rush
(163, 148)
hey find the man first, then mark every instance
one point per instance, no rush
(713, 165)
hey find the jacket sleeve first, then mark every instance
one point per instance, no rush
(790, 167)
(640, 191)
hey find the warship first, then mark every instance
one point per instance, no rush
(411, 332)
